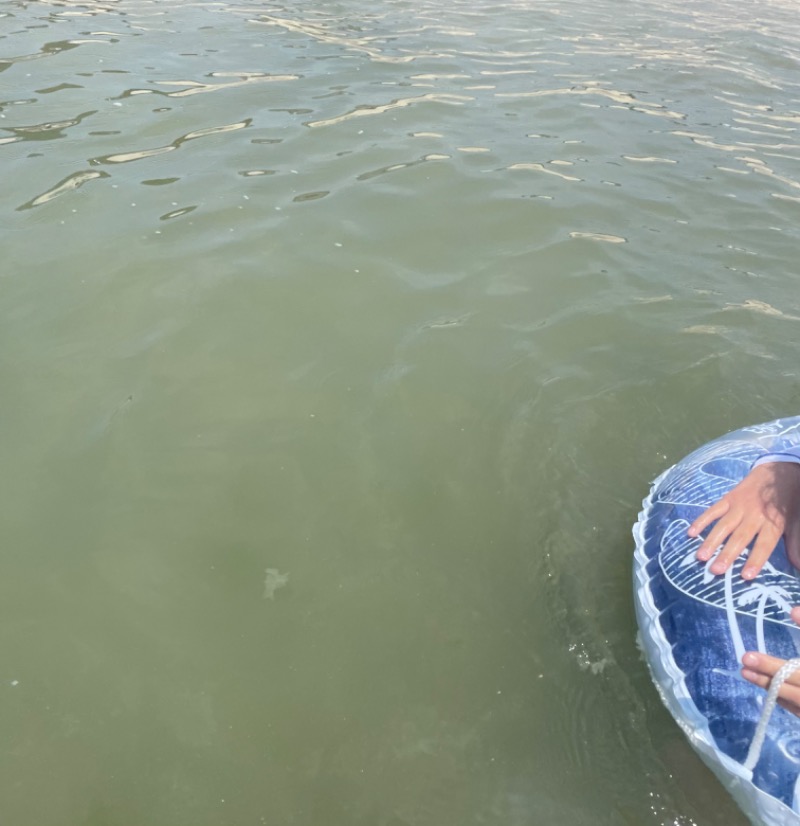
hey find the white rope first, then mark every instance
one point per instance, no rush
(782, 674)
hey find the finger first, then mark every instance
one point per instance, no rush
(792, 707)
(718, 534)
(761, 680)
(707, 517)
(767, 666)
(765, 544)
(763, 664)
(735, 545)
(788, 692)
(795, 614)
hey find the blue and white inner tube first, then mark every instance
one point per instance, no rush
(694, 626)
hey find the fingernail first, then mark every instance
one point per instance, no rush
(692, 532)
(748, 573)
(750, 659)
(719, 568)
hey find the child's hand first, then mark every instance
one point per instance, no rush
(759, 669)
(764, 506)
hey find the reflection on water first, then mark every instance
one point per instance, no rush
(324, 434)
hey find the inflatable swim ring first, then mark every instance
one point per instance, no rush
(694, 627)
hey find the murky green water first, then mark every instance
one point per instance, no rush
(339, 346)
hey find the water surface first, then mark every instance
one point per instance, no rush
(339, 347)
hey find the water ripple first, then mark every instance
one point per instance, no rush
(364, 110)
(140, 154)
(68, 184)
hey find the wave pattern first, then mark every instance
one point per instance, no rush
(409, 299)
(573, 60)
